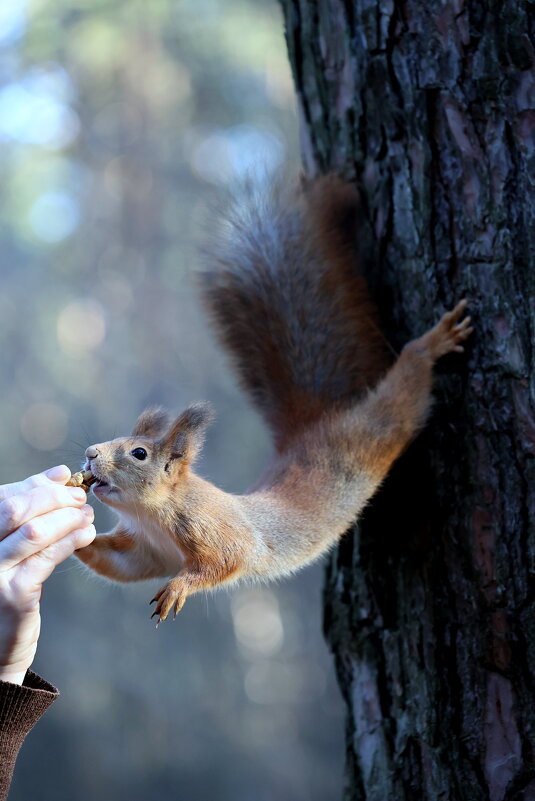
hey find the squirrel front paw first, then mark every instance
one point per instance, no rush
(448, 334)
(171, 595)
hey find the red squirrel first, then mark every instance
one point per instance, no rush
(290, 307)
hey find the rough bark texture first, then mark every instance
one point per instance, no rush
(430, 602)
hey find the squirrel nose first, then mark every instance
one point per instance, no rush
(91, 452)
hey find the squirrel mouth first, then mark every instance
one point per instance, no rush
(102, 490)
(101, 486)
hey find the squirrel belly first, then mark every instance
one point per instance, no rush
(289, 306)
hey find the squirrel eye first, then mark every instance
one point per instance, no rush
(139, 453)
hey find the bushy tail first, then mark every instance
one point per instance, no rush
(288, 304)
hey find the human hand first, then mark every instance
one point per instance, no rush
(42, 522)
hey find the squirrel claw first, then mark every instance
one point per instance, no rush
(170, 596)
(154, 614)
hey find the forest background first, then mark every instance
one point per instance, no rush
(119, 123)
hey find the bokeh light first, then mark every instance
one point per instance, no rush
(53, 216)
(257, 621)
(33, 111)
(81, 326)
(12, 21)
(44, 426)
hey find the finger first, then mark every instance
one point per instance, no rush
(39, 533)
(17, 510)
(55, 475)
(60, 473)
(40, 566)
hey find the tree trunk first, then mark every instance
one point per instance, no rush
(430, 601)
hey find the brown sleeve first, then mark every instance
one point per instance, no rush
(20, 709)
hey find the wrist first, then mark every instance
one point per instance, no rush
(18, 644)
(13, 677)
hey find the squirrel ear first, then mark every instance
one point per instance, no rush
(186, 435)
(152, 423)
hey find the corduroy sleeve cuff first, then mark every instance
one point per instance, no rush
(21, 706)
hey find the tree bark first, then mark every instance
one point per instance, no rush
(430, 601)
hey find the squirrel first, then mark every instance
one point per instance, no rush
(290, 306)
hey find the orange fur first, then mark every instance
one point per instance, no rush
(291, 308)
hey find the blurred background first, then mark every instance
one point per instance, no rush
(118, 123)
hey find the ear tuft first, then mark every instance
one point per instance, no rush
(152, 423)
(196, 417)
(186, 435)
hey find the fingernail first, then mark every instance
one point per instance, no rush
(59, 473)
(88, 511)
(77, 493)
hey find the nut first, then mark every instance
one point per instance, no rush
(83, 479)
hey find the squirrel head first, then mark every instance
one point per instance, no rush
(144, 467)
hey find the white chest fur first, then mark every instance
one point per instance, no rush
(156, 540)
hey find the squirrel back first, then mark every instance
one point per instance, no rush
(283, 289)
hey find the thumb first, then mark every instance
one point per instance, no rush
(59, 474)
